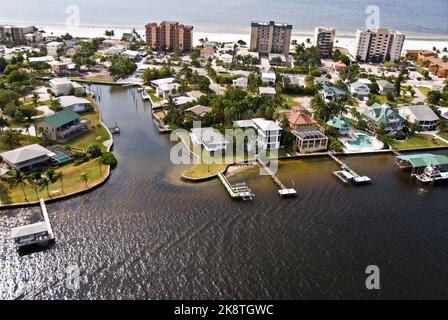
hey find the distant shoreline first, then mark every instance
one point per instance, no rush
(413, 40)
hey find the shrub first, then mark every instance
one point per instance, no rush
(109, 159)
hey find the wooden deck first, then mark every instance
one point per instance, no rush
(284, 191)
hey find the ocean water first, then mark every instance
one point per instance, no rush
(234, 16)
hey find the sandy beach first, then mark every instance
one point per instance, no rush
(346, 41)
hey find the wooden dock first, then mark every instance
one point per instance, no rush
(160, 125)
(347, 173)
(47, 220)
(284, 191)
(38, 234)
(236, 191)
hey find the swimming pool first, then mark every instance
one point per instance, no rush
(61, 158)
(362, 141)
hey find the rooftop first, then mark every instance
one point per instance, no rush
(29, 230)
(61, 118)
(199, 110)
(24, 153)
(422, 112)
(424, 159)
(266, 125)
(67, 101)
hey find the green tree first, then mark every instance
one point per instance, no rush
(16, 177)
(84, 176)
(10, 137)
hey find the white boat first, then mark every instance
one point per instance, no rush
(432, 174)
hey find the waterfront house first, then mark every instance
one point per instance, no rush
(268, 77)
(240, 82)
(62, 68)
(421, 115)
(360, 89)
(156, 83)
(332, 93)
(384, 116)
(308, 133)
(341, 124)
(211, 139)
(268, 132)
(63, 126)
(26, 158)
(166, 90)
(199, 111)
(64, 86)
(385, 86)
(76, 104)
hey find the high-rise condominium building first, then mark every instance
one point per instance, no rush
(324, 40)
(15, 33)
(270, 37)
(169, 35)
(379, 45)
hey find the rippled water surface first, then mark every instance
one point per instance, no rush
(147, 234)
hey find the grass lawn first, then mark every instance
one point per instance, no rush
(444, 135)
(399, 100)
(71, 181)
(203, 170)
(97, 133)
(152, 94)
(24, 141)
(418, 141)
(289, 99)
(424, 90)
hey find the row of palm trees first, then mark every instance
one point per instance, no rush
(37, 181)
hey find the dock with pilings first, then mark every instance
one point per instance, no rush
(283, 191)
(348, 174)
(38, 234)
(236, 191)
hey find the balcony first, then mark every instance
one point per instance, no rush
(73, 131)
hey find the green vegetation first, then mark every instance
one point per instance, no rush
(151, 74)
(122, 67)
(418, 141)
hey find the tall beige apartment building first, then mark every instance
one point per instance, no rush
(15, 33)
(270, 37)
(379, 45)
(169, 35)
(324, 40)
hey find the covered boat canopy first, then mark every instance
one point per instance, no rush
(424, 160)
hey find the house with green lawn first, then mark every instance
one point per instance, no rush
(63, 126)
(384, 116)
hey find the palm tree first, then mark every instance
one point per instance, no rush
(15, 178)
(35, 99)
(27, 126)
(3, 123)
(10, 137)
(59, 175)
(33, 180)
(44, 183)
(84, 177)
(100, 163)
(442, 125)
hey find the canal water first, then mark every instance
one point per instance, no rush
(148, 235)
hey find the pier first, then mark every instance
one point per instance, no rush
(236, 191)
(37, 234)
(160, 125)
(284, 191)
(347, 173)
